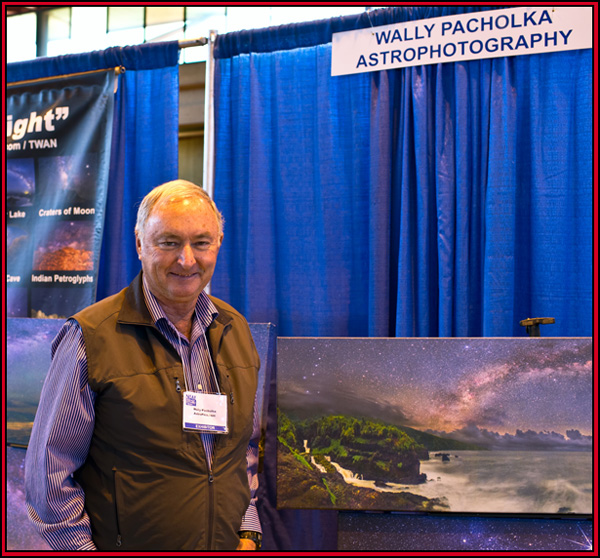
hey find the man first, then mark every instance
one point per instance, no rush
(144, 437)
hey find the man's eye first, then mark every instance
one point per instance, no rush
(167, 244)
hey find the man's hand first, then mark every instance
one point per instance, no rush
(246, 544)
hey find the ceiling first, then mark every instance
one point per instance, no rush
(17, 10)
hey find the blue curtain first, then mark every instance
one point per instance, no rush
(144, 150)
(443, 200)
(446, 200)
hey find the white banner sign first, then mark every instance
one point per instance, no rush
(488, 34)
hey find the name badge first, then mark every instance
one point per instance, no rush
(205, 412)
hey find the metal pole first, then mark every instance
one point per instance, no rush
(209, 132)
(208, 168)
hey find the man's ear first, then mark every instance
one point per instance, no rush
(138, 245)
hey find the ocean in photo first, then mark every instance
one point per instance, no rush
(542, 482)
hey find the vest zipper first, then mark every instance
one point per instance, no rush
(119, 540)
(211, 511)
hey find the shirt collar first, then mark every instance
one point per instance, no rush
(205, 311)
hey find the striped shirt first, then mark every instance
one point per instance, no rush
(64, 424)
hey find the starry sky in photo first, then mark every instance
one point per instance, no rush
(407, 532)
(443, 385)
(28, 356)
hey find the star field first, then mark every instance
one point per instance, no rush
(501, 387)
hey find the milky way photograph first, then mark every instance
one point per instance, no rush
(481, 425)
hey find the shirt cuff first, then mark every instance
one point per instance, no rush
(250, 521)
(88, 546)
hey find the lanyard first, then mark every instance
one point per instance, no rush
(203, 411)
(187, 358)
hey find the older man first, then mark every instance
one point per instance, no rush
(144, 437)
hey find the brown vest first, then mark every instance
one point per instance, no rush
(146, 481)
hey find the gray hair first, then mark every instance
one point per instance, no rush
(172, 191)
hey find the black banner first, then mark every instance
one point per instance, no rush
(58, 136)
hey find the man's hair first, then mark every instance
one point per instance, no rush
(175, 190)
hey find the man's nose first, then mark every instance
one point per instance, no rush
(186, 256)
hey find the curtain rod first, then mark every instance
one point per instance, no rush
(201, 41)
(117, 69)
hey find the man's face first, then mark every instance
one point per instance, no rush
(178, 249)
